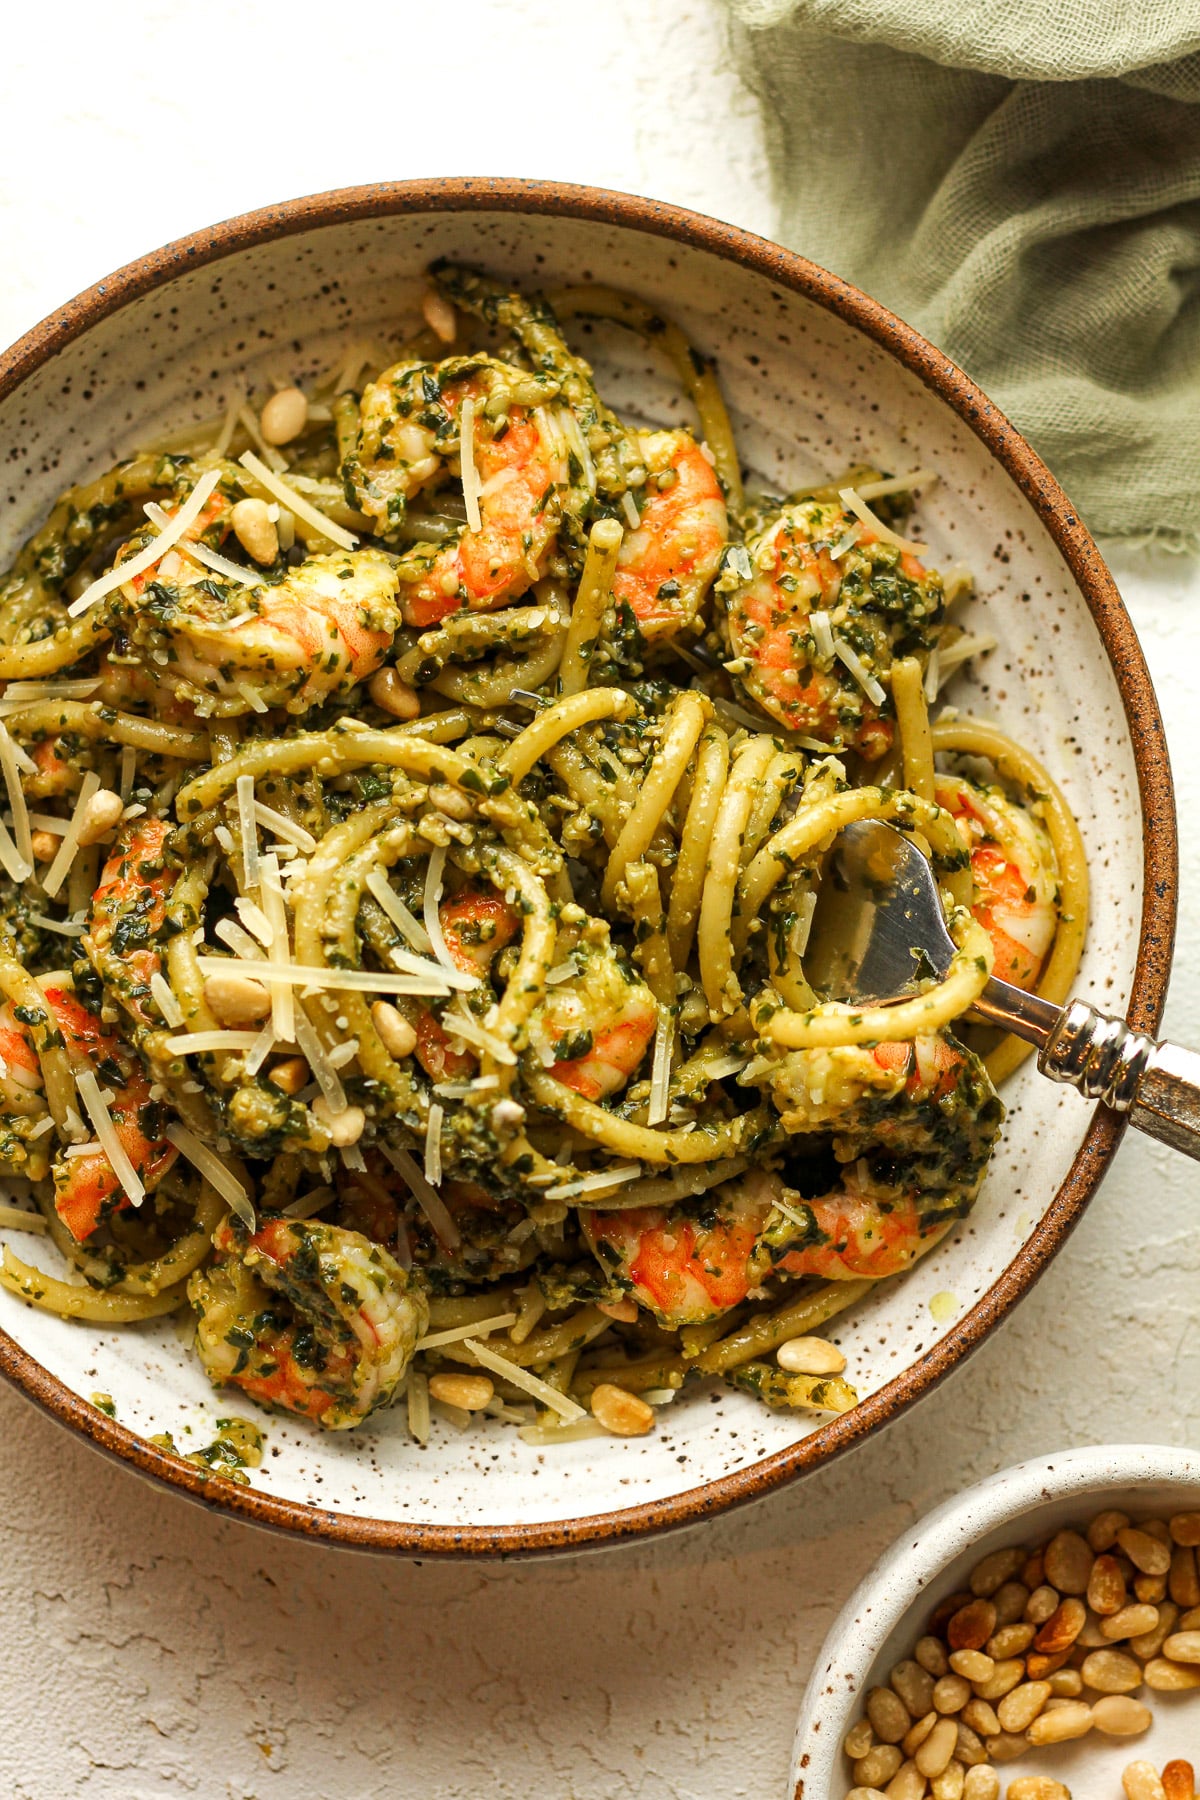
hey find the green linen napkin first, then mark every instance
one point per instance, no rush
(1020, 179)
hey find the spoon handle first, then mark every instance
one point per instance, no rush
(1158, 1085)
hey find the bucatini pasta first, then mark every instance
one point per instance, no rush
(418, 797)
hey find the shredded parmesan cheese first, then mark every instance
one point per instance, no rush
(11, 760)
(933, 675)
(202, 1043)
(97, 1111)
(283, 827)
(853, 501)
(248, 828)
(252, 697)
(70, 928)
(592, 1184)
(359, 981)
(425, 1195)
(56, 874)
(208, 559)
(454, 977)
(239, 941)
(433, 920)
(897, 484)
(866, 681)
(255, 921)
(470, 474)
(459, 1026)
(214, 1171)
(481, 1328)
(283, 1008)
(562, 1404)
(629, 508)
(163, 995)
(318, 1061)
(578, 446)
(418, 1406)
(660, 1068)
(433, 1146)
(145, 559)
(296, 503)
(822, 632)
(23, 693)
(846, 542)
(408, 926)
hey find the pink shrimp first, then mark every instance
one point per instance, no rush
(128, 916)
(477, 924)
(666, 565)
(592, 1030)
(1014, 876)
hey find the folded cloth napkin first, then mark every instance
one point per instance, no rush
(1021, 181)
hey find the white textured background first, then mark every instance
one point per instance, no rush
(147, 1649)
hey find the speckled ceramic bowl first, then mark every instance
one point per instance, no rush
(818, 376)
(886, 1614)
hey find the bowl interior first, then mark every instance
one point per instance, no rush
(1024, 1505)
(810, 395)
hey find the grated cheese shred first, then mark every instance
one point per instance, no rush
(10, 761)
(283, 1006)
(296, 503)
(660, 1068)
(145, 559)
(162, 993)
(433, 1145)
(248, 829)
(56, 874)
(866, 681)
(853, 501)
(562, 1404)
(97, 1111)
(425, 1195)
(470, 474)
(214, 1171)
(208, 559)
(325, 1074)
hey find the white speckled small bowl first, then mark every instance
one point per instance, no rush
(886, 1614)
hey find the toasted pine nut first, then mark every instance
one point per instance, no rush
(810, 1356)
(1062, 1627)
(1190, 1620)
(628, 1415)
(1112, 1672)
(255, 530)
(1073, 1719)
(907, 1783)
(439, 315)
(877, 1766)
(949, 1784)
(980, 1715)
(888, 1714)
(1069, 1561)
(860, 1793)
(236, 1000)
(1183, 1647)
(1131, 1621)
(1140, 1781)
(951, 1694)
(1144, 1551)
(291, 1075)
(471, 1392)
(344, 1128)
(971, 1626)
(1150, 1588)
(914, 1686)
(1150, 1643)
(1011, 1640)
(1118, 1716)
(931, 1654)
(100, 814)
(1020, 1708)
(1033, 1574)
(1006, 1746)
(938, 1748)
(1106, 1592)
(284, 416)
(972, 1665)
(969, 1749)
(913, 1740)
(397, 1035)
(1169, 1677)
(995, 1570)
(1185, 1528)
(1102, 1532)
(1179, 1780)
(1041, 1603)
(1010, 1602)
(858, 1739)
(1037, 1787)
(1065, 1683)
(1091, 1637)
(982, 1783)
(1184, 1585)
(393, 695)
(45, 846)
(1004, 1677)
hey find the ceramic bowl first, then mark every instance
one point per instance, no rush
(886, 1614)
(818, 377)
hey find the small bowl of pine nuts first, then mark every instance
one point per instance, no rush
(1036, 1638)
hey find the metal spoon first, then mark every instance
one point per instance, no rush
(878, 930)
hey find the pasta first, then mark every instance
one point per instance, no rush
(414, 832)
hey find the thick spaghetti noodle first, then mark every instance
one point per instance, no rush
(414, 831)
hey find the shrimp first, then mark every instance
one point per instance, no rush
(128, 917)
(913, 1127)
(410, 439)
(870, 596)
(308, 1317)
(221, 646)
(591, 1031)
(22, 1104)
(477, 924)
(1014, 874)
(666, 566)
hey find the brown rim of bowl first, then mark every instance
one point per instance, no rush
(1160, 845)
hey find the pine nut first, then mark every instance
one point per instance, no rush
(1106, 1592)
(284, 416)
(949, 1784)
(1006, 1746)
(1140, 1781)
(439, 315)
(971, 1626)
(1062, 1627)
(1170, 1678)
(1041, 1603)
(397, 1035)
(994, 1571)
(1037, 1787)
(1183, 1647)
(344, 1128)
(1091, 1637)
(100, 815)
(1008, 1671)
(888, 1715)
(45, 846)
(1034, 1572)
(980, 1715)
(860, 1793)
(982, 1783)
(914, 1686)
(235, 1000)
(920, 1731)
(877, 1766)
(1131, 1621)
(1010, 1602)
(969, 1749)
(1039, 1666)
(1184, 1585)
(907, 1783)
(1179, 1780)
(1157, 1528)
(1144, 1551)
(1112, 1672)
(945, 1610)
(951, 1694)
(393, 695)
(1119, 1716)
(1011, 1640)
(471, 1392)
(1190, 1620)
(290, 1076)
(1150, 1588)
(810, 1356)
(1020, 1708)
(1102, 1532)
(628, 1415)
(255, 530)
(1066, 1683)
(859, 1739)
(1073, 1719)
(931, 1654)
(1185, 1528)
(938, 1747)
(1069, 1561)
(972, 1665)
